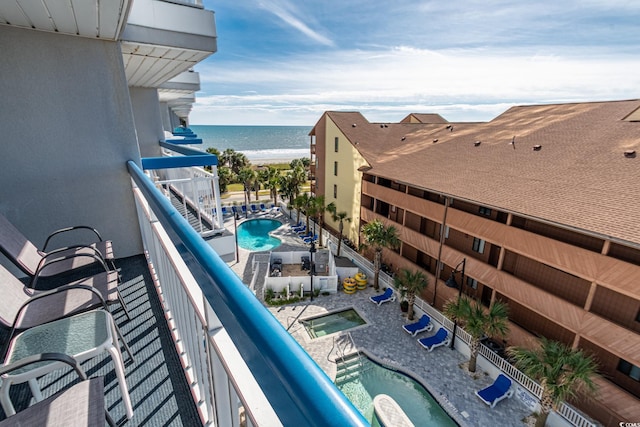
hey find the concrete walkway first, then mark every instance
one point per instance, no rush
(441, 371)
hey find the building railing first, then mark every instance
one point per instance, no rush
(248, 359)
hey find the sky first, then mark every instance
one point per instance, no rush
(286, 62)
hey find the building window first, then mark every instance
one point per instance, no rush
(478, 245)
(484, 211)
(630, 370)
(335, 191)
(335, 168)
(472, 283)
(336, 144)
(638, 316)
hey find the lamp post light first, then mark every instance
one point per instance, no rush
(236, 217)
(312, 266)
(451, 283)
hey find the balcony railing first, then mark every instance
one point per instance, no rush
(240, 362)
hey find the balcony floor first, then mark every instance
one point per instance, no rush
(158, 389)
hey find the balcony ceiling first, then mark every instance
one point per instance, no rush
(87, 18)
(152, 65)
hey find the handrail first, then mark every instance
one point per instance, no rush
(299, 391)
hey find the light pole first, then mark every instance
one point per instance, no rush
(236, 217)
(451, 282)
(312, 266)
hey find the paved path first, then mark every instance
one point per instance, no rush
(440, 371)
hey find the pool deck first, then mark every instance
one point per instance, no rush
(441, 371)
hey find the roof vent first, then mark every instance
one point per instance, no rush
(381, 125)
(353, 125)
(386, 125)
(475, 144)
(630, 154)
(537, 147)
(435, 140)
(450, 127)
(403, 138)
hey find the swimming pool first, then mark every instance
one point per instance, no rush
(361, 379)
(253, 235)
(327, 324)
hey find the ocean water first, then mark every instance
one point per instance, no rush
(258, 143)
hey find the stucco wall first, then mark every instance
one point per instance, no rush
(348, 179)
(67, 132)
(148, 120)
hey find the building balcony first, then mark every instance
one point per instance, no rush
(207, 351)
(163, 39)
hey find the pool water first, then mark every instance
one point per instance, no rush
(327, 324)
(253, 235)
(362, 379)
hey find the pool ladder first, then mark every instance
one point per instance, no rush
(347, 341)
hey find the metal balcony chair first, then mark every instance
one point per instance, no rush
(39, 264)
(82, 404)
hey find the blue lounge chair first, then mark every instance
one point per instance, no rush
(304, 233)
(244, 209)
(308, 239)
(500, 389)
(423, 324)
(224, 211)
(263, 208)
(300, 227)
(254, 209)
(439, 339)
(387, 296)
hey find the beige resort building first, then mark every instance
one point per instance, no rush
(543, 202)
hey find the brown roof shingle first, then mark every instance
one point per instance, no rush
(579, 177)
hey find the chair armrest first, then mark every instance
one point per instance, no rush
(47, 261)
(67, 229)
(35, 358)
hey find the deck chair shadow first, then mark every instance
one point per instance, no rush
(441, 338)
(387, 296)
(82, 403)
(499, 390)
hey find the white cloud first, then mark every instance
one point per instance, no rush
(291, 16)
(479, 83)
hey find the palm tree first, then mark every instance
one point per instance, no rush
(270, 178)
(563, 373)
(300, 203)
(246, 177)
(478, 321)
(291, 182)
(225, 177)
(410, 284)
(318, 208)
(338, 216)
(379, 236)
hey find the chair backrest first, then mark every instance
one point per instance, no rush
(424, 320)
(15, 246)
(14, 294)
(388, 292)
(441, 334)
(502, 383)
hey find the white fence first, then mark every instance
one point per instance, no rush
(220, 381)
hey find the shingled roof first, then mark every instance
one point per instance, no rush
(567, 164)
